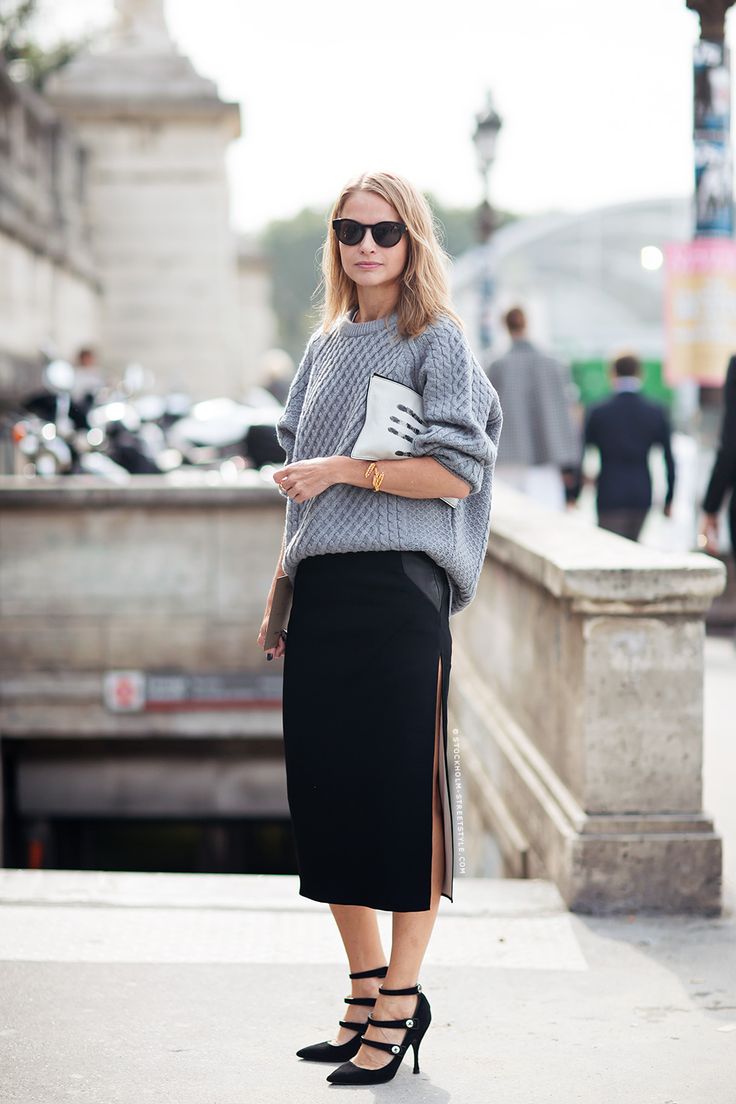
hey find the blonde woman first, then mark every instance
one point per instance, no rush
(379, 561)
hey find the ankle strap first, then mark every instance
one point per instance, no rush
(380, 972)
(400, 992)
(392, 1048)
(410, 1022)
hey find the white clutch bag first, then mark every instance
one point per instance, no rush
(394, 415)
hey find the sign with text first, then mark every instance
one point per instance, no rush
(700, 310)
(124, 691)
(186, 691)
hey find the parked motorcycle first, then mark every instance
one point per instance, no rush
(216, 430)
(49, 432)
(130, 430)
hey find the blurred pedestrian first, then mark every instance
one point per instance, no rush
(723, 475)
(88, 379)
(624, 427)
(539, 450)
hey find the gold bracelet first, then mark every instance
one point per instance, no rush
(377, 475)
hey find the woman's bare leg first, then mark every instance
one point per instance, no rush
(410, 932)
(362, 941)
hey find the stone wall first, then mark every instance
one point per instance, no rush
(49, 292)
(147, 582)
(149, 576)
(115, 221)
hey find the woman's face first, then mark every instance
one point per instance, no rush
(369, 265)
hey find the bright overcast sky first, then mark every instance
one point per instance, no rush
(595, 97)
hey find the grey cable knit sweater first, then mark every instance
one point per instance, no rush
(324, 413)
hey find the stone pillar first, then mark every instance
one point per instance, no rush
(157, 134)
(579, 692)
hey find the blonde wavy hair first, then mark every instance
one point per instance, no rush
(425, 293)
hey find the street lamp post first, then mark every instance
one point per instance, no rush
(712, 122)
(713, 215)
(488, 123)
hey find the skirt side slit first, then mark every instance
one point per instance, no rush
(444, 781)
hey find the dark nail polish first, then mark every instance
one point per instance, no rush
(269, 657)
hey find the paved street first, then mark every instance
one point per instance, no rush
(128, 988)
(197, 989)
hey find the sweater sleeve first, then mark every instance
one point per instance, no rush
(461, 409)
(286, 426)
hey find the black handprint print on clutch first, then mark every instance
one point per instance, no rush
(394, 415)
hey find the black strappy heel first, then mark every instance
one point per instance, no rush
(416, 1025)
(338, 1052)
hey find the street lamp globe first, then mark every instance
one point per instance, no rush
(487, 126)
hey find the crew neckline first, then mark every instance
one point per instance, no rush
(355, 329)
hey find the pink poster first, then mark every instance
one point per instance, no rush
(700, 310)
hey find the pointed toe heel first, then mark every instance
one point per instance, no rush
(416, 1026)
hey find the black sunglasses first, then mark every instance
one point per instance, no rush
(385, 234)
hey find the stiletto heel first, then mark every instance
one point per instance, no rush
(416, 1026)
(416, 1042)
(338, 1052)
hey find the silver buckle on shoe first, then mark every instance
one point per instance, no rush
(409, 1023)
(395, 1049)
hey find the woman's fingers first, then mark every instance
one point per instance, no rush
(277, 652)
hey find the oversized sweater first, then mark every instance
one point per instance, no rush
(323, 416)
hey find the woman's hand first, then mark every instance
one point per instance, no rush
(271, 653)
(305, 479)
(708, 536)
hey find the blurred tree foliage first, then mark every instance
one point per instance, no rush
(294, 247)
(20, 53)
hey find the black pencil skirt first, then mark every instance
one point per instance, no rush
(366, 635)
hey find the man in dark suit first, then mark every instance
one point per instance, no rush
(723, 476)
(624, 428)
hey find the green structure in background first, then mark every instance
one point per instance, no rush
(591, 377)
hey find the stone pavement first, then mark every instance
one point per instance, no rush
(197, 989)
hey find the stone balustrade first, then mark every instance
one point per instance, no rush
(578, 697)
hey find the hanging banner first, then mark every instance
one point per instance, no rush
(712, 140)
(713, 188)
(700, 314)
(712, 86)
